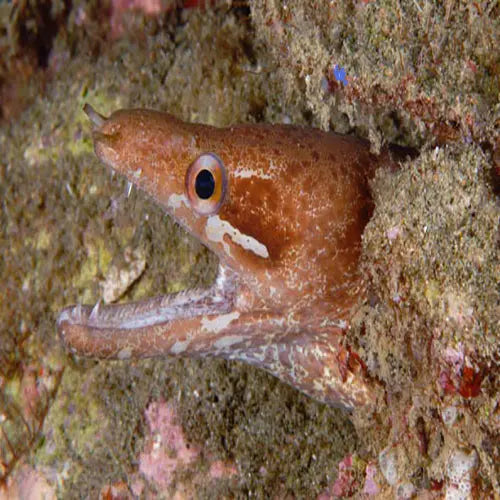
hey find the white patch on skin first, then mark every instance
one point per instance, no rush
(245, 173)
(175, 200)
(342, 324)
(124, 354)
(318, 386)
(228, 341)
(216, 228)
(279, 322)
(179, 347)
(274, 168)
(219, 322)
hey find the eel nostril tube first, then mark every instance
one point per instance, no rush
(96, 118)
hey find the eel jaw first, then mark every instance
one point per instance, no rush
(81, 326)
(222, 321)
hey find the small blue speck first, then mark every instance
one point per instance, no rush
(339, 74)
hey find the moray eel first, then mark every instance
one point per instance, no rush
(284, 208)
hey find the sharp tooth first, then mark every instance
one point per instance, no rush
(95, 311)
(129, 188)
(78, 312)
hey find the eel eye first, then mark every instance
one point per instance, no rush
(206, 184)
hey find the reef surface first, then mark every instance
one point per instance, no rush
(419, 74)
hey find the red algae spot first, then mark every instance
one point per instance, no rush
(203, 4)
(460, 377)
(470, 383)
(116, 491)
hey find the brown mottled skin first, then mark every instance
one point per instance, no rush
(299, 198)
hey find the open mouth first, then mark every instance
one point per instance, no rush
(214, 300)
(217, 299)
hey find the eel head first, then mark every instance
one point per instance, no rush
(284, 209)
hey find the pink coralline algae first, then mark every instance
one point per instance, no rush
(371, 487)
(166, 449)
(222, 470)
(27, 483)
(345, 485)
(150, 7)
(120, 7)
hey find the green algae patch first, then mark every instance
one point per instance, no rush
(283, 442)
(75, 220)
(415, 70)
(82, 434)
(434, 234)
(431, 331)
